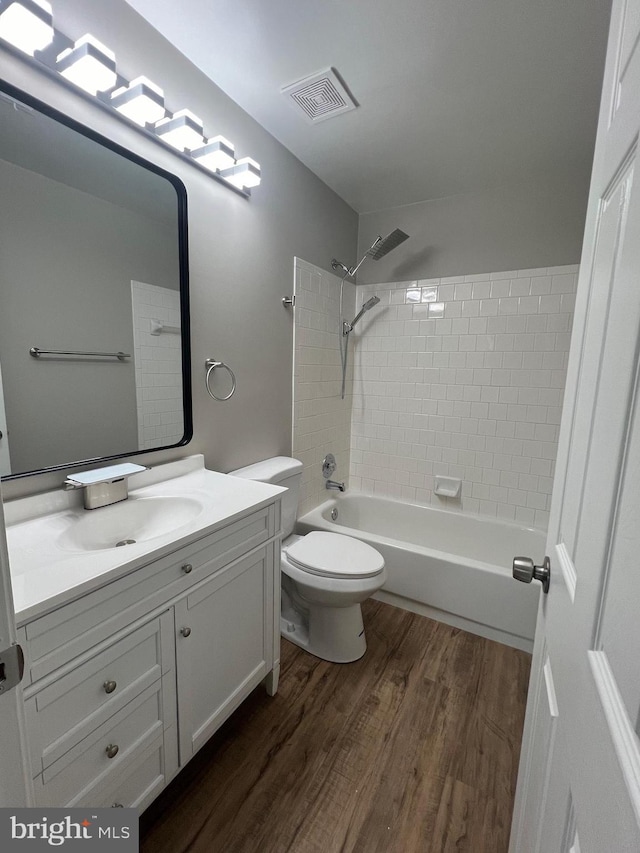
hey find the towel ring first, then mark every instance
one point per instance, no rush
(211, 365)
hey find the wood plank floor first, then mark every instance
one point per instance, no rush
(412, 749)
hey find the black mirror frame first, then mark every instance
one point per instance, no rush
(183, 266)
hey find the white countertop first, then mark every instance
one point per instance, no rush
(46, 575)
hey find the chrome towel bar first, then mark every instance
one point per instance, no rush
(36, 353)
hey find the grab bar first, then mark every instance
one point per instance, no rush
(36, 353)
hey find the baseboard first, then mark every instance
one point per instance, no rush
(461, 622)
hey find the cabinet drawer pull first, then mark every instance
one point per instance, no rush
(117, 806)
(109, 686)
(112, 750)
(185, 631)
(187, 568)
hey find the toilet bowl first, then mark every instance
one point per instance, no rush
(325, 576)
(325, 579)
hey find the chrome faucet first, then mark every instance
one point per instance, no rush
(104, 486)
(332, 485)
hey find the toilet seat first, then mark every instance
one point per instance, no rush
(334, 555)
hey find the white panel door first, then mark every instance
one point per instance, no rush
(579, 779)
(5, 458)
(16, 787)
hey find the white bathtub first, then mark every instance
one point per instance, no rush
(452, 567)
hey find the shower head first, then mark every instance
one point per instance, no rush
(382, 246)
(368, 305)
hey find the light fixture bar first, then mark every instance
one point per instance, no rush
(27, 24)
(89, 68)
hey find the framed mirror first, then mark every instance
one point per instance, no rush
(94, 302)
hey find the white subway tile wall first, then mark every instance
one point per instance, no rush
(463, 377)
(158, 366)
(321, 419)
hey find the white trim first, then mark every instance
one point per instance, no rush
(568, 570)
(624, 738)
(551, 690)
(16, 784)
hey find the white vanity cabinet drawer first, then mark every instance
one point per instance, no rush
(135, 785)
(67, 709)
(138, 785)
(55, 639)
(100, 759)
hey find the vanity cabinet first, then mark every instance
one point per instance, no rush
(126, 683)
(224, 634)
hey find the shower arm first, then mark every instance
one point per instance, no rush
(351, 271)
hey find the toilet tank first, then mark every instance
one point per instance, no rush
(280, 471)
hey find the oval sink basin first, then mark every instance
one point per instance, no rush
(126, 523)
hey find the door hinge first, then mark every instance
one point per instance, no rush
(11, 667)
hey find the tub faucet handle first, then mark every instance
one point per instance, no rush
(329, 465)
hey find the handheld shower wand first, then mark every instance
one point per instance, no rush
(367, 306)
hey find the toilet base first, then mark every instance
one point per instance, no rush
(334, 634)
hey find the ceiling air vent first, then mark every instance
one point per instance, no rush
(320, 96)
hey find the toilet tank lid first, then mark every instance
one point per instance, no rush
(270, 470)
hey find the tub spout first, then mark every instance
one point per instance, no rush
(337, 487)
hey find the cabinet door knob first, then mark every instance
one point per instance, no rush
(112, 750)
(187, 568)
(185, 631)
(109, 686)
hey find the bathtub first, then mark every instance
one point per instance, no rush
(452, 567)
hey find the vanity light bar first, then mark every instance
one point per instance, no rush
(141, 101)
(89, 64)
(28, 26)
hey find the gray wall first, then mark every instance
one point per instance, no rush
(241, 252)
(66, 264)
(508, 228)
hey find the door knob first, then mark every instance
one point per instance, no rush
(525, 571)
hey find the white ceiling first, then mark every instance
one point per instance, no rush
(455, 96)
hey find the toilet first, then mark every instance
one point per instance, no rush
(325, 576)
